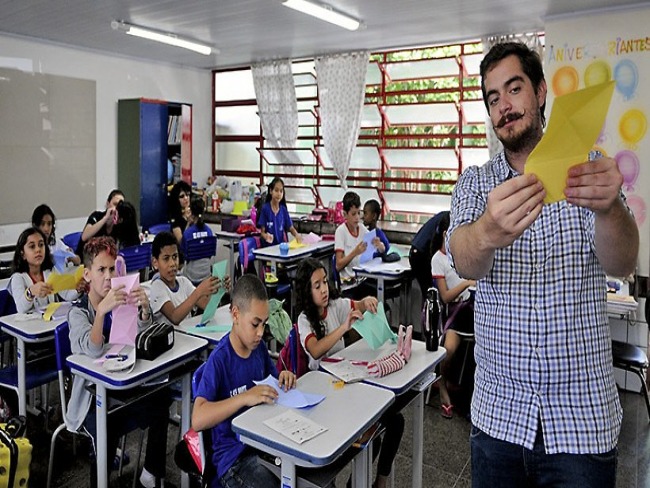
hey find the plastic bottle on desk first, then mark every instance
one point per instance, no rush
(431, 319)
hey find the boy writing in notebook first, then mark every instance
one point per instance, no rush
(227, 387)
(173, 297)
(90, 323)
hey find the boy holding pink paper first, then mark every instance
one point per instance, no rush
(90, 323)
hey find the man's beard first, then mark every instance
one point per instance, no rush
(527, 139)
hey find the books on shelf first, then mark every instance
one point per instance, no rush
(174, 129)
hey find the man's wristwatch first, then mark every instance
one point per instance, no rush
(29, 294)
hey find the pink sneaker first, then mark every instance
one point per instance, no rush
(386, 365)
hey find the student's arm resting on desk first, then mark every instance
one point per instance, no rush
(596, 185)
(450, 294)
(511, 208)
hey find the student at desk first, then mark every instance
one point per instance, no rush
(173, 297)
(32, 265)
(274, 220)
(44, 220)
(100, 223)
(322, 325)
(227, 387)
(90, 321)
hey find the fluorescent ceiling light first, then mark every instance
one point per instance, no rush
(324, 12)
(164, 37)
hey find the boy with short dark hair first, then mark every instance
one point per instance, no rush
(90, 323)
(348, 238)
(227, 387)
(173, 297)
(371, 214)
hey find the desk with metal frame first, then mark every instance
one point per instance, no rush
(363, 404)
(185, 349)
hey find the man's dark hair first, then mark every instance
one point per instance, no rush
(530, 61)
(351, 199)
(248, 288)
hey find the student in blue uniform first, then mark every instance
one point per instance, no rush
(274, 220)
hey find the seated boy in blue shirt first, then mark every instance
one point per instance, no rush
(227, 387)
(371, 214)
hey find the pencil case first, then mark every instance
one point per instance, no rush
(154, 340)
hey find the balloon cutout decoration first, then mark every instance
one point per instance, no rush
(565, 80)
(627, 78)
(597, 72)
(628, 165)
(638, 207)
(632, 126)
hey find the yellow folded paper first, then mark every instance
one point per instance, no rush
(573, 128)
(239, 206)
(296, 245)
(49, 311)
(65, 281)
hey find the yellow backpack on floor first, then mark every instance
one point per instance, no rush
(15, 454)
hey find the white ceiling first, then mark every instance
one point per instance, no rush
(246, 31)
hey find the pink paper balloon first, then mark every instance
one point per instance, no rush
(638, 207)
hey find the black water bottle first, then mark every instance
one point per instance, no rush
(431, 319)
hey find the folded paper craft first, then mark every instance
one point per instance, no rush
(124, 328)
(374, 328)
(576, 120)
(311, 238)
(218, 271)
(296, 245)
(65, 281)
(56, 311)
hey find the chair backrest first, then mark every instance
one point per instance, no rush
(336, 278)
(196, 379)
(292, 355)
(158, 228)
(201, 247)
(137, 257)
(62, 350)
(246, 247)
(72, 240)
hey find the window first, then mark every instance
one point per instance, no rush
(423, 122)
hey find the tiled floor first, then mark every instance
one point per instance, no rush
(446, 453)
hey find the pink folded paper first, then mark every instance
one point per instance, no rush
(125, 317)
(311, 238)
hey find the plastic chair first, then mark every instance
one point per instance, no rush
(158, 228)
(632, 358)
(72, 240)
(200, 248)
(246, 258)
(137, 258)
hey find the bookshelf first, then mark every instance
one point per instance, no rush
(151, 132)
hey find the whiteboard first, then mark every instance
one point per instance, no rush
(47, 145)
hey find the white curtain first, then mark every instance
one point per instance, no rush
(341, 82)
(532, 41)
(277, 105)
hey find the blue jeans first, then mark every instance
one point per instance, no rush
(497, 463)
(247, 472)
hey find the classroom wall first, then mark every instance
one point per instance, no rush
(115, 77)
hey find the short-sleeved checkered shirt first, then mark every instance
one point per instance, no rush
(543, 347)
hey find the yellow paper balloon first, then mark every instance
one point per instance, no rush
(598, 72)
(633, 126)
(565, 80)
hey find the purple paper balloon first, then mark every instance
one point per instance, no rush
(628, 165)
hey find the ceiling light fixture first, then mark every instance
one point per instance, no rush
(324, 12)
(164, 37)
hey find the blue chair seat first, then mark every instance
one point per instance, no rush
(200, 248)
(137, 257)
(36, 375)
(72, 240)
(158, 228)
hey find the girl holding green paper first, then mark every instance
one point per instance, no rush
(324, 321)
(174, 297)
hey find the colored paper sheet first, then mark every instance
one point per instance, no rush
(573, 128)
(311, 238)
(124, 328)
(60, 258)
(65, 281)
(374, 328)
(296, 245)
(370, 249)
(56, 311)
(293, 398)
(218, 271)
(211, 328)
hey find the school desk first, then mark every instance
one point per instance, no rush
(417, 375)
(346, 412)
(173, 363)
(221, 317)
(398, 271)
(26, 332)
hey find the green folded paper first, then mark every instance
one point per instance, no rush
(218, 271)
(374, 328)
(212, 328)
